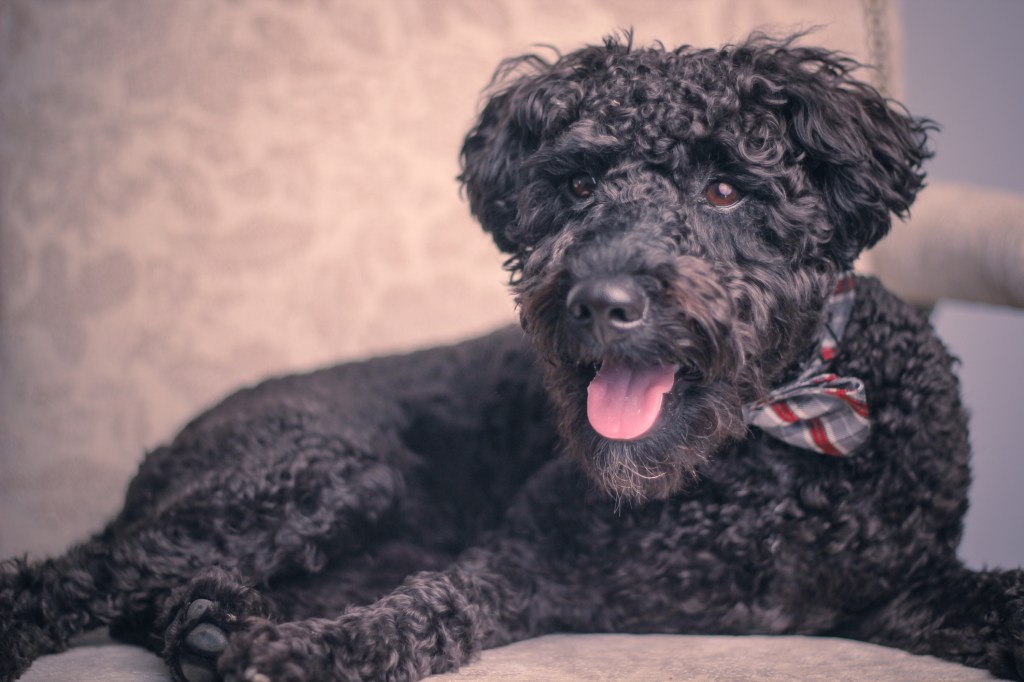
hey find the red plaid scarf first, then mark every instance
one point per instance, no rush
(819, 411)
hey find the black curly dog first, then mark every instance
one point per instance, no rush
(707, 427)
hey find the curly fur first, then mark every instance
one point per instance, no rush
(467, 485)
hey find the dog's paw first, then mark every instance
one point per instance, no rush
(20, 644)
(200, 620)
(288, 652)
(22, 637)
(1015, 639)
(201, 639)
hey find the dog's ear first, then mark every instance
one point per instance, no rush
(539, 101)
(863, 152)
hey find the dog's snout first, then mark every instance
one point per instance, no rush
(607, 307)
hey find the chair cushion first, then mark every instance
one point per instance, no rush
(615, 658)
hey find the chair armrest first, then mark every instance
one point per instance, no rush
(961, 242)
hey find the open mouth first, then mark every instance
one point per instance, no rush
(624, 401)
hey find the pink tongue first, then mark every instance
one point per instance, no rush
(624, 402)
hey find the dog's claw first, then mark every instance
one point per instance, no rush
(198, 609)
(253, 675)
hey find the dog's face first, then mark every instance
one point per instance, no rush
(675, 221)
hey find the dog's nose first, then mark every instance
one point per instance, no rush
(608, 307)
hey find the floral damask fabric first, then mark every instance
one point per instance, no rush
(195, 195)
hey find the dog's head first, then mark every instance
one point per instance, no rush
(675, 220)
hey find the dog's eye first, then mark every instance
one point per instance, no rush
(582, 185)
(722, 194)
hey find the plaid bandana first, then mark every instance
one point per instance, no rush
(819, 411)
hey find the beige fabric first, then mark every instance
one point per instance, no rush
(643, 658)
(961, 242)
(599, 658)
(196, 194)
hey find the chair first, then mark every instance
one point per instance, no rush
(197, 195)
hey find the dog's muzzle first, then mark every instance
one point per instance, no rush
(623, 400)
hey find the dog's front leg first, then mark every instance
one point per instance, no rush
(434, 622)
(516, 583)
(972, 617)
(43, 604)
